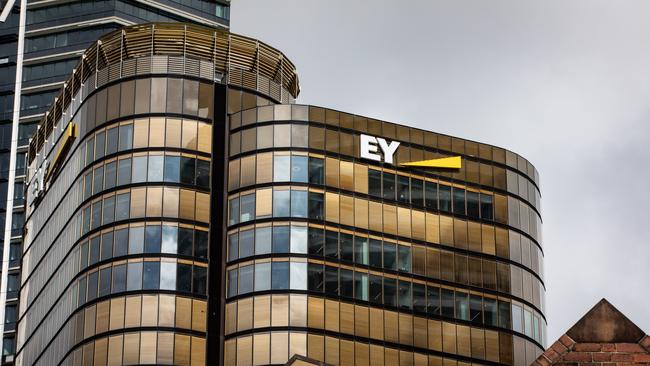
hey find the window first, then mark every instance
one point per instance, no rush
(315, 277)
(134, 276)
(97, 214)
(232, 283)
(404, 253)
(110, 175)
(82, 291)
(172, 169)
(92, 286)
(299, 169)
(390, 291)
(233, 211)
(390, 256)
(233, 247)
(167, 276)
(281, 203)
(298, 203)
(331, 244)
(361, 253)
(346, 247)
(403, 192)
(7, 346)
(184, 277)
(84, 255)
(316, 171)
(447, 301)
(375, 253)
(473, 205)
(263, 240)
(281, 239)
(169, 242)
(126, 137)
(280, 275)
(459, 201)
(107, 246)
(388, 182)
(490, 312)
(263, 276)
(281, 168)
(139, 172)
(112, 140)
(316, 241)
(10, 314)
(486, 207)
(152, 239)
(361, 290)
(90, 150)
(119, 278)
(136, 240)
(444, 197)
(462, 306)
(124, 171)
(374, 183)
(151, 275)
(109, 210)
(98, 180)
(156, 166)
(122, 206)
(316, 209)
(94, 250)
(331, 281)
(100, 142)
(404, 295)
(203, 173)
(347, 285)
(298, 239)
(15, 253)
(247, 206)
(121, 238)
(185, 241)
(417, 192)
(476, 309)
(187, 170)
(517, 322)
(375, 289)
(246, 279)
(246, 243)
(504, 314)
(433, 300)
(298, 276)
(104, 281)
(201, 244)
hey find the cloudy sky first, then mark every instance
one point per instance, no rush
(564, 83)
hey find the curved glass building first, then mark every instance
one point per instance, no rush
(182, 209)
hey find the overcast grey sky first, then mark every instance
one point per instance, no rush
(564, 83)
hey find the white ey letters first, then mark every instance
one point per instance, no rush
(370, 146)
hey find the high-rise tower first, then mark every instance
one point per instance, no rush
(182, 209)
(40, 44)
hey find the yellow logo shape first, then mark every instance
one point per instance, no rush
(453, 162)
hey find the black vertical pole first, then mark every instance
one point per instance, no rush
(217, 248)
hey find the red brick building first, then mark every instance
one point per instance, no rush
(604, 336)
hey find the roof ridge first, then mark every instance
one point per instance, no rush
(604, 323)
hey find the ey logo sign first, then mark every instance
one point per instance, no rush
(371, 146)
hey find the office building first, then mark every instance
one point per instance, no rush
(183, 209)
(40, 44)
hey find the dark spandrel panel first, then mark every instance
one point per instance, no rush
(64, 39)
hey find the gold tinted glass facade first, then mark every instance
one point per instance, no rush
(369, 263)
(317, 251)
